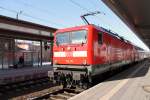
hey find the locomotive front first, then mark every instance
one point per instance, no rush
(70, 48)
(70, 56)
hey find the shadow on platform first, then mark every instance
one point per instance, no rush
(126, 74)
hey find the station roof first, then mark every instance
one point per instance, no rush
(11, 27)
(136, 15)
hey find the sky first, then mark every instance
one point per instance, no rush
(66, 13)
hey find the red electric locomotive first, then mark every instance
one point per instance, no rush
(82, 52)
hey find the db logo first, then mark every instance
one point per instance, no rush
(69, 54)
(68, 48)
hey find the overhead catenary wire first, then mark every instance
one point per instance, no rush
(42, 10)
(30, 16)
(79, 5)
(10, 10)
(83, 8)
(34, 7)
(91, 2)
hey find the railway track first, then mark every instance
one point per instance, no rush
(21, 88)
(61, 94)
(36, 90)
(53, 93)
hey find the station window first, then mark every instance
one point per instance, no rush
(100, 38)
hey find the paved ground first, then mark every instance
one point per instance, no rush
(132, 84)
(22, 71)
(22, 74)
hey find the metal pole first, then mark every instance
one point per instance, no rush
(32, 58)
(18, 13)
(51, 52)
(14, 58)
(41, 53)
(2, 54)
(38, 59)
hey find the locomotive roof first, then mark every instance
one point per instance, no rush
(119, 37)
(112, 33)
(102, 29)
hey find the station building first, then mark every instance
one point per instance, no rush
(24, 44)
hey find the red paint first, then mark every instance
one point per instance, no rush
(112, 50)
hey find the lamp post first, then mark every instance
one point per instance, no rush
(18, 13)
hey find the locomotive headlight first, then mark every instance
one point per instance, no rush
(84, 62)
(68, 48)
(55, 62)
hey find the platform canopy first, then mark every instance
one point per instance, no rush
(136, 15)
(15, 28)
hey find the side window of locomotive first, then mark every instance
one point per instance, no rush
(100, 38)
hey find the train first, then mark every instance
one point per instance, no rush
(83, 52)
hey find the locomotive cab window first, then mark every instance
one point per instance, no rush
(73, 37)
(100, 38)
(78, 37)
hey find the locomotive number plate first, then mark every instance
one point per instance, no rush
(69, 54)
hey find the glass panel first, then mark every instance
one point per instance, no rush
(27, 59)
(36, 59)
(11, 53)
(36, 48)
(23, 53)
(62, 38)
(1, 52)
(7, 52)
(29, 51)
(78, 37)
(74, 37)
(1, 60)
(100, 38)
(5, 61)
(46, 54)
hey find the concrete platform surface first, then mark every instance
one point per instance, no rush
(21, 74)
(131, 84)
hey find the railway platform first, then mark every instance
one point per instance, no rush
(131, 84)
(25, 50)
(8, 76)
